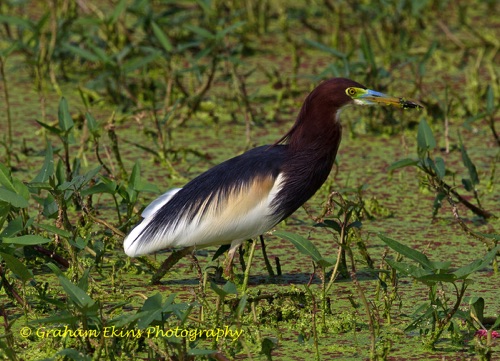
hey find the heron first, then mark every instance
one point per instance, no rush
(246, 196)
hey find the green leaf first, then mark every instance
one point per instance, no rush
(75, 355)
(36, 185)
(407, 162)
(78, 296)
(12, 198)
(162, 37)
(47, 168)
(21, 188)
(17, 267)
(99, 188)
(87, 177)
(367, 51)
(16, 21)
(27, 240)
(425, 138)
(220, 292)
(477, 307)
(325, 48)
(439, 167)
(154, 309)
(328, 223)
(355, 224)
(65, 121)
(423, 319)
(61, 318)
(107, 60)
(222, 33)
(144, 186)
(135, 176)
(54, 269)
(496, 237)
(15, 226)
(80, 52)
(6, 179)
(496, 324)
(119, 8)
(202, 54)
(224, 291)
(50, 128)
(184, 316)
(408, 269)
(140, 62)
(441, 265)
(303, 245)
(490, 100)
(467, 185)
(469, 165)
(230, 288)
(242, 305)
(126, 319)
(60, 173)
(326, 262)
(53, 229)
(204, 33)
(83, 283)
(267, 346)
(465, 271)
(408, 252)
(438, 202)
(92, 125)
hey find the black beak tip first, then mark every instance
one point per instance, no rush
(408, 104)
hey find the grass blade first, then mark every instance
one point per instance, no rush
(65, 120)
(162, 37)
(17, 267)
(48, 166)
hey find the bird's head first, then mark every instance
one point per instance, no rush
(338, 92)
(318, 118)
(334, 94)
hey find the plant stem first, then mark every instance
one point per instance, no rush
(114, 146)
(249, 264)
(368, 313)
(313, 321)
(9, 116)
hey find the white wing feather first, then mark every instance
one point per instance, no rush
(230, 225)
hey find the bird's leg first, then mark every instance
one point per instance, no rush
(198, 270)
(249, 264)
(169, 262)
(241, 253)
(228, 270)
(266, 260)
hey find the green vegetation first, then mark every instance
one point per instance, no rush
(104, 105)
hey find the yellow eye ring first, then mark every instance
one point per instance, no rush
(351, 91)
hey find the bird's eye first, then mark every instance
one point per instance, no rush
(351, 92)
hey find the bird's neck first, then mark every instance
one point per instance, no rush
(308, 164)
(317, 131)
